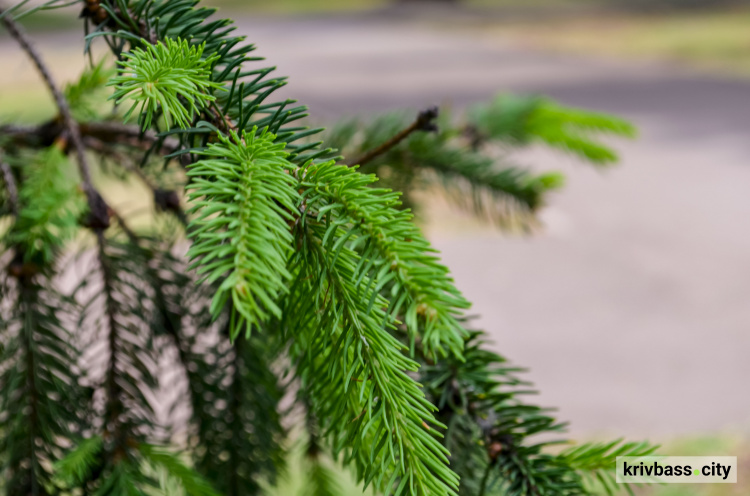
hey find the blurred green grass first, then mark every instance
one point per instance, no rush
(726, 444)
(721, 444)
(294, 6)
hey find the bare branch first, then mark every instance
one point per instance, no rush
(166, 200)
(109, 132)
(423, 122)
(71, 125)
(128, 135)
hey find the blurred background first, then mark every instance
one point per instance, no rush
(631, 304)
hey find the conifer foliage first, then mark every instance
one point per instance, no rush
(274, 278)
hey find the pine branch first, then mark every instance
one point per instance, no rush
(395, 256)
(192, 483)
(520, 121)
(121, 317)
(10, 187)
(246, 245)
(77, 467)
(368, 402)
(474, 179)
(237, 414)
(38, 370)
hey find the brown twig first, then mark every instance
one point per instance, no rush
(46, 134)
(103, 148)
(424, 122)
(164, 199)
(94, 199)
(223, 122)
(127, 135)
(99, 15)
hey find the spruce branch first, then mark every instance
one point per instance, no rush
(76, 468)
(85, 95)
(424, 122)
(116, 430)
(114, 407)
(38, 370)
(120, 315)
(10, 186)
(481, 398)
(345, 280)
(191, 482)
(49, 209)
(531, 119)
(595, 462)
(475, 180)
(133, 136)
(395, 255)
(471, 161)
(243, 197)
(372, 410)
(236, 399)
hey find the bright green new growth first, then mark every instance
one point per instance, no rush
(353, 368)
(242, 197)
(165, 76)
(393, 254)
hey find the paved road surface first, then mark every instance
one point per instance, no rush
(632, 308)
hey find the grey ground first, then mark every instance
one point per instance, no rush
(632, 307)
